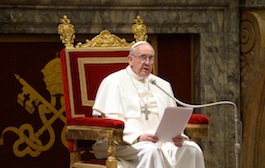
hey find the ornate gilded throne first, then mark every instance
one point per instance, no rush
(83, 68)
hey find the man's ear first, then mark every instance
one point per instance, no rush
(129, 59)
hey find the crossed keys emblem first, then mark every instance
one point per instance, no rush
(29, 142)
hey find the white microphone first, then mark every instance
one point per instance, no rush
(237, 143)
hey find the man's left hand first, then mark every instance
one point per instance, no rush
(178, 140)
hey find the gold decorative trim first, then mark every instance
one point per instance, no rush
(102, 60)
(201, 126)
(67, 32)
(98, 133)
(197, 130)
(105, 39)
(70, 87)
(93, 133)
(82, 76)
(139, 30)
(86, 165)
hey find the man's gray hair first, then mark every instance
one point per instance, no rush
(137, 44)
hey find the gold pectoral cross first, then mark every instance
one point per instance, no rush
(146, 112)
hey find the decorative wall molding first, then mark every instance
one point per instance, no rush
(252, 87)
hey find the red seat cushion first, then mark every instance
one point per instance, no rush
(99, 122)
(199, 119)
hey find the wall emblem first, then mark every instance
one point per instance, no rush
(29, 138)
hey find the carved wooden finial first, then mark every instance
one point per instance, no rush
(67, 32)
(139, 30)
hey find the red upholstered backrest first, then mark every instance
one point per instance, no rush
(83, 71)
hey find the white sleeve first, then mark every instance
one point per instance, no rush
(130, 133)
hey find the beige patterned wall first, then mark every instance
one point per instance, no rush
(217, 66)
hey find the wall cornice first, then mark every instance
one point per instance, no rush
(108, 3)
(42, 19)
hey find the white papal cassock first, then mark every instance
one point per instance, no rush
(123, 95)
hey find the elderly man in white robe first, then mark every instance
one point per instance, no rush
(128, 95)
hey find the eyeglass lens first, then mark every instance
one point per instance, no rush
(143, 58)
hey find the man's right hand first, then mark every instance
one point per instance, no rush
(148, 137)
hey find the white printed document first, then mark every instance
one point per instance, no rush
(173, 122)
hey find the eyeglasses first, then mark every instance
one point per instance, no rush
(143, 58)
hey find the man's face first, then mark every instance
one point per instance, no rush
(142, 67)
